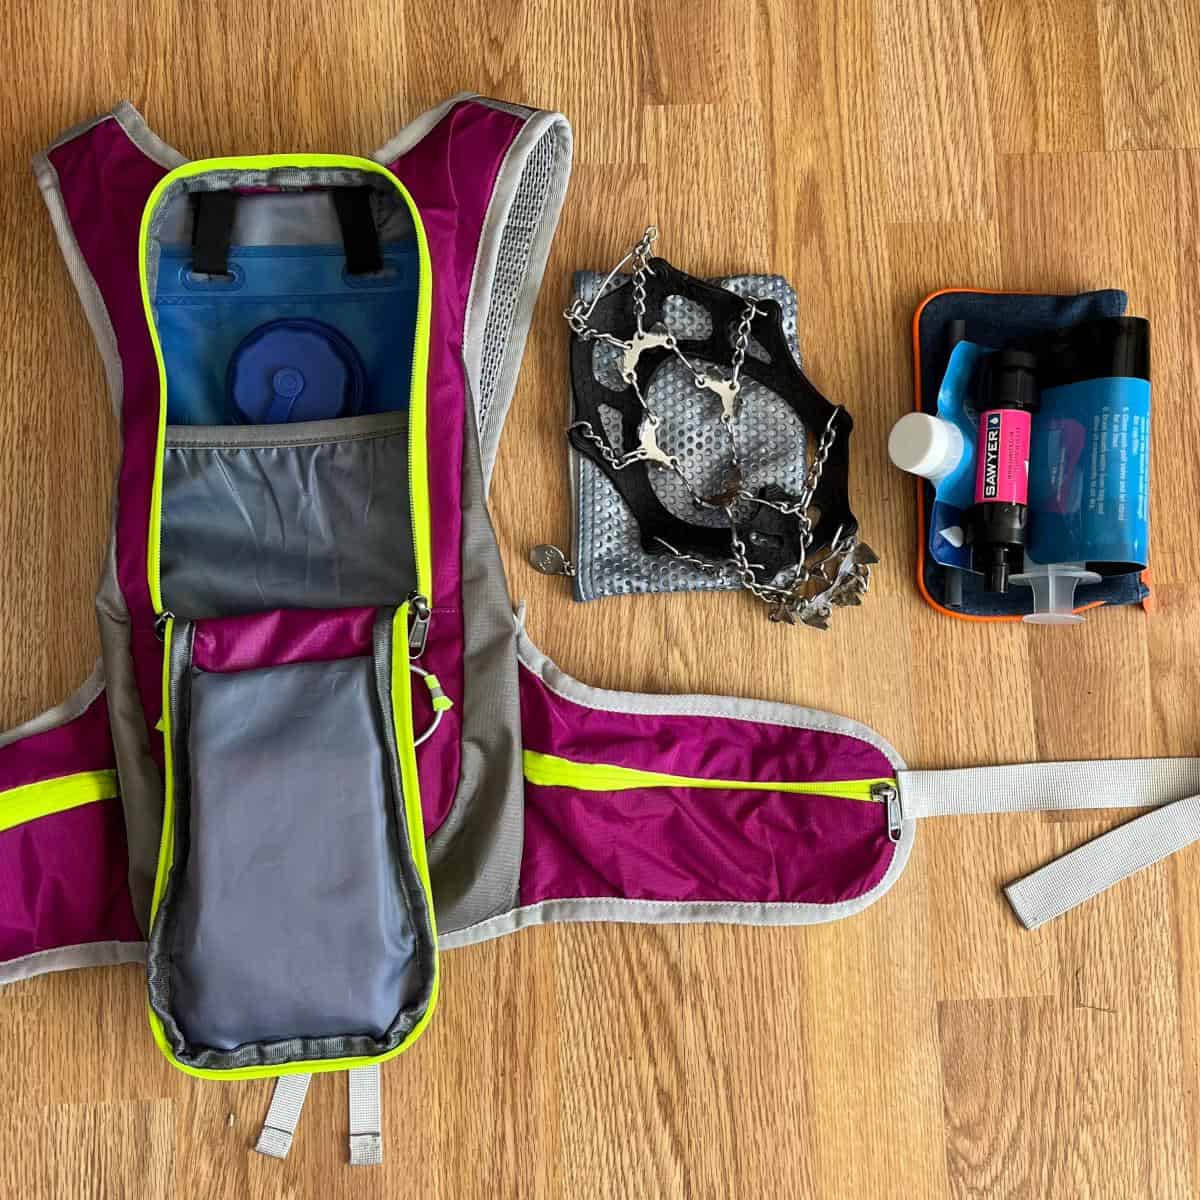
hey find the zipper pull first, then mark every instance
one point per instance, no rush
(160, 624)
(419, 616)
(890, 796)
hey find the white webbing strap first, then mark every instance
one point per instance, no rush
(1095, 866)
(279, 1127)
(366, 1133)
(1170, 785)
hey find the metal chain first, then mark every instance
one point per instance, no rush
(788, 600)
(641, 268)
(742, 341)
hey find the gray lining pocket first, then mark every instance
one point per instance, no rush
(256, 516)
(294, 925)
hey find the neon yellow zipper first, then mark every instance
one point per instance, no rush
(402, 717)
(418, 473)
(418, 482)
(548, 770)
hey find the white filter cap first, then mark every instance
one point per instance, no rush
(925, 445)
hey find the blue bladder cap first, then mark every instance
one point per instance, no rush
(295, 369)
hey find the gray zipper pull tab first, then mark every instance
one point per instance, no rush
(160, 625)
(890, 796)
(550, 560)
(419, 616)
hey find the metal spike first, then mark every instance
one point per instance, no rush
(816, 619)
(731, 489)
(648, 449)
(727, 390)
(782, 614)
(643, 340)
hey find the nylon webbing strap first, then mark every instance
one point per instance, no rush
(1095, 866)
(287, 1103)
(1169, 785)
(212, 231)
(1048, 787)
(366, 1134)
(360, 238)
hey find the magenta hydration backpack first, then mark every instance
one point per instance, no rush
(319, 749)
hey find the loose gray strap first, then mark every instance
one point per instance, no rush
(1171, 786)
(1048, 787)
(287, 1103)
(1096, 865)
(366, 1134)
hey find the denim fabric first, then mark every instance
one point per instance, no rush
(1004, 320)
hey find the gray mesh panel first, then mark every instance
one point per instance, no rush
(516, 245)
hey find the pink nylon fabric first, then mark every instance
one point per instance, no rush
(84, 744)
(450, 174)
(63, 876)
(674, 844)
(274, 639)
(63, 881)
(106, 181)
(681, 844)
(708, 747)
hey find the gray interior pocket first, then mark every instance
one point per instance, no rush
(259, 517)
(294, 925)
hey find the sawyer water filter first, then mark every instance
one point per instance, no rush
(999, 519)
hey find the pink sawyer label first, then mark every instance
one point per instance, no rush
(1002, 472)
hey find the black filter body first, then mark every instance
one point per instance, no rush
(999, 519)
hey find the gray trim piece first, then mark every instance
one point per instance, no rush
(145, 139)
(141, 780)
(479, 304)
(475, 855)
(72, 132)
(154, 148)
(676, 912)
(134, 126)
(731, 707)
(69, 958)
(696, 912)
(416, 129)
(75, 705)
(90, 298)
(505, 106)
(301, 433)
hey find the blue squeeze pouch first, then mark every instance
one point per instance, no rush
(205, 321)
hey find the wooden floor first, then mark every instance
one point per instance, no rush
(871, 153)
